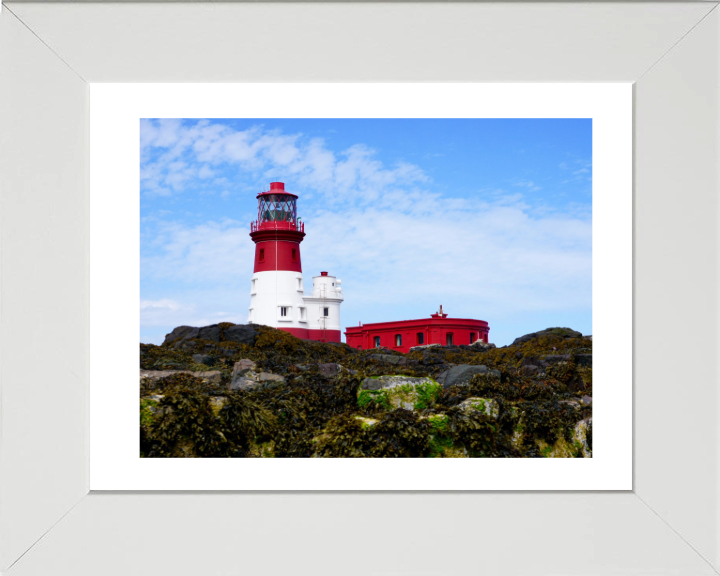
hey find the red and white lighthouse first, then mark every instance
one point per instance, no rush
(277, 294)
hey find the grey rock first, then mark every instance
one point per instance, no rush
(562, 332)
(587, 400)
(262, 380)
(371, 384)
(242, 367)
(425, 347)
(462, 374)
(268, 377)
(202, 359)
(181, 332)
(389, 359)
(211, 333)
(241, 333)
(383, 382)
(330, 370)
(243, 383)
(487, 406)
(400, 391)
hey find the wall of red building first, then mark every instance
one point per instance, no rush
(364, 339)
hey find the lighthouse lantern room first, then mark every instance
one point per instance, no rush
(277, 293)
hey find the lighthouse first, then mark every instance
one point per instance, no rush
(277, 293)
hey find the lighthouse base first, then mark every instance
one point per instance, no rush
(317, 335)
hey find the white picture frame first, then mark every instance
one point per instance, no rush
(49, 523)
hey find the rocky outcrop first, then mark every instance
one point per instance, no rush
(228, 390)
(181, 333)
(561, 332)
(227, 332)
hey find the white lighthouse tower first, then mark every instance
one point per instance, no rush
(277, 294)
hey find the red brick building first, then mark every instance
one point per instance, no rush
(404, 334)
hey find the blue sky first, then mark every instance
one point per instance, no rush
(492, 218)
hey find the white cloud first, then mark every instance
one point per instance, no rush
(171, 153)
(213, 252)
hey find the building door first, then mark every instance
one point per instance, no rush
(449, 339)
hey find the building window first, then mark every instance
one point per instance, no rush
(302, 314)
(294, 255)
(449, 339)
(376, 340)
(250, 315)
(420, 338)
(472, 337)
(262, 254)
(283, 310)
(299, 284)
(254, 285)
(326, 312)
(398, 340)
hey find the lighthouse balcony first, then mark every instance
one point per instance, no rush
(277, 225)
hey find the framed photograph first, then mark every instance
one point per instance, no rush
(80, 77)
(424, 406)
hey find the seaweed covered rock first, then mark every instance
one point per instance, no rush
(461, 375)
(229, 390)
(562, 332)
(481, 346)
(242, 367)
(397, 434)
(249, 380)
(391, 392)
(241, 333)
(224, 332)
(487, 406)
(389, 358)
(149, 378)
(180, 333)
